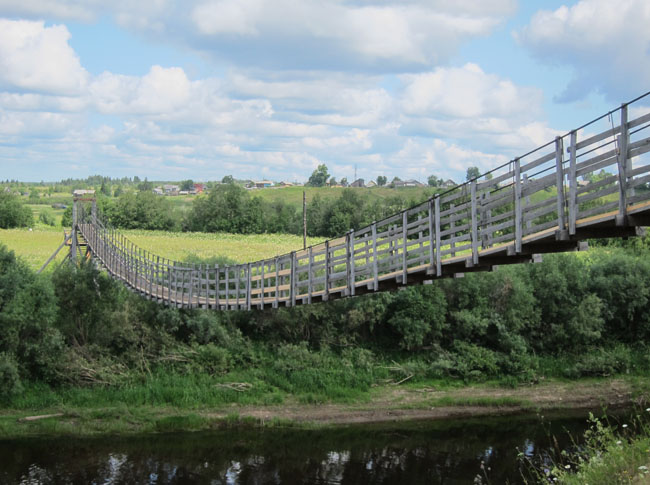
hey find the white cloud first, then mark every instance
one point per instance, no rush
(83, 10)
(250, 122)
(38, 58)
(605, 42)
(161, 90)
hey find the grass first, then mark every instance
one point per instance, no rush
(612, 454)
(481, 401)
(37, 245)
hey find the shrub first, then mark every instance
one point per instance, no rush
(47, 217)
(9, 377)
(13, 213)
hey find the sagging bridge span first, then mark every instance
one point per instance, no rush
(590, 183)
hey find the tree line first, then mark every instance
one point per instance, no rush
(589, 316)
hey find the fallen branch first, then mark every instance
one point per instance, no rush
(42, 416)
(236, 386)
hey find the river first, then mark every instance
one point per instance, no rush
(477, 450)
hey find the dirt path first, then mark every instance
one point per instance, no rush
(397, 403)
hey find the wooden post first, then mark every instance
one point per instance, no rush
(73, 241)
(526, 203)
(573, 184)
(216, 288)
(432, 242)
(227, 278)
(375, 269)
(351, 267)
(517, 196)
(559, 177)
(237, 283)
(623, 167)
(292, 278)
(277, 283)
(263, 263)
(404, 246)
(248, 286)
(436, 204)
(474, 234)
(310, 277)
(326, 290)
(304, 220)
(452, 226)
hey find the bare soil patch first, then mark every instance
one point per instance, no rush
(405, 403)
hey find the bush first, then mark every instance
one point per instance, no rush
(47, 217)
(9, 377)
(13, 213)
(417, 315)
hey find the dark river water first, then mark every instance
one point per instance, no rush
(427, 452)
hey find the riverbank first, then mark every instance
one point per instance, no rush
(385, 404)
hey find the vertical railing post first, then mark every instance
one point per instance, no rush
(73, 238)
(375, 268)
(237, 285)
(326, 291)
(227, 281)
(292, 278)
(559, 181)
(277, 283)
(311, 274)
(432, 242)
(436, 205)
(350, 258)
(517, 196)
(262, 285)
(573, 184)
(623, 168)
(404, 246)
(474, 223)
(248, 286)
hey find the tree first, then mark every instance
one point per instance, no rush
(228, 179)
(187, 185)
(118, 191)
(332, 182)
(434, 181)
(344, 182)
(472, 173)
(145, 186)
(105, 189)
(319, 176)
(13, 213)
(381, 180)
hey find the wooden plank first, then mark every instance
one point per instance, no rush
(327, 271)
(536, 163)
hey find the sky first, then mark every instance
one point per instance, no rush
(270, 89)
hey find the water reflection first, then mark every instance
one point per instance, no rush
(418, 452)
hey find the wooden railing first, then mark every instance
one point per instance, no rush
(598, 174)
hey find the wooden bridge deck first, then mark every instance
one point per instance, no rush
(536, 204)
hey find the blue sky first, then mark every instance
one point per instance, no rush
(270, 89)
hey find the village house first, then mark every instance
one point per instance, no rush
(171, 189)
(408, 183)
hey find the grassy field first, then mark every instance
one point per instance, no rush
(37, 245)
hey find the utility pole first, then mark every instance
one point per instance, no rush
(304, 220)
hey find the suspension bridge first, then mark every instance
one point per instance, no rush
(593, 182)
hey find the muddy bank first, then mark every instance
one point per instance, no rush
(395, 403)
